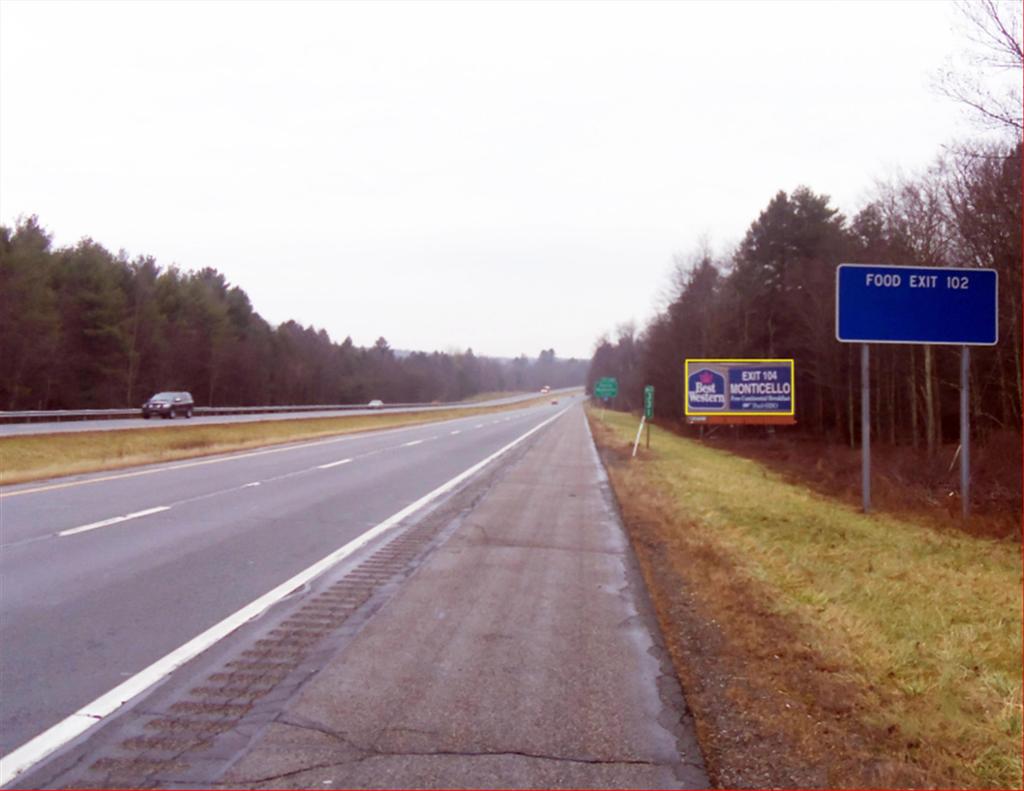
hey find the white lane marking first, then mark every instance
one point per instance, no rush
(55, 737)
(410, 444)
(113, 521)
(457, 431)
(333, 464)
(479, 425)
(220, 459)
(249, 485)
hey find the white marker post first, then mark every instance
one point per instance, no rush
(638, 432)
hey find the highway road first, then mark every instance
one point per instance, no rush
(120, 424)
(105, 574)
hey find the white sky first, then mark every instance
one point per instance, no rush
(509, 177)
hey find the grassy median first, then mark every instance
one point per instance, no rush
(37, 456)
(859, 650)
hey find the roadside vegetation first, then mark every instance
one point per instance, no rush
(772, 295)
(819, 646)
(37, 456)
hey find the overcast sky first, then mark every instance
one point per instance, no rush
(507, 177)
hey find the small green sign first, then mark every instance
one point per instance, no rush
(649, 402)
(608, 387)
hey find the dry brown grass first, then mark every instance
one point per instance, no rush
(817, 646)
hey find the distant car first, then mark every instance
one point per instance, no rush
(376, 404)
(554, 400)
(169, 404)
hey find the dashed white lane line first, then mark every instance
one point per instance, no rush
(113, 520)
(118, 519)
(333, 464)
(457, 431)
(201, 462)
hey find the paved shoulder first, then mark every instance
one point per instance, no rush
(521, 654)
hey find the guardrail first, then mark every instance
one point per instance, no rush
(27, 416)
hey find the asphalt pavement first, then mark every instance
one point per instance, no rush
(512, 645)
(85, 610)
(522, 654)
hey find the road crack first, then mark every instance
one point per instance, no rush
(367, 753)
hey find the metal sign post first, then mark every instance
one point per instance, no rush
(922, 306)
(865, 426)
(965, 432)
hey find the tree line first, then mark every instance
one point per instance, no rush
(81, 327)
(774, 297)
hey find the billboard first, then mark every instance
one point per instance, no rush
(735, 387)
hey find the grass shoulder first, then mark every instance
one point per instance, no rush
(820, 646)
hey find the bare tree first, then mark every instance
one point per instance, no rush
(987, 76)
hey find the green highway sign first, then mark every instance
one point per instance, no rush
(608, 387)
(649, 402)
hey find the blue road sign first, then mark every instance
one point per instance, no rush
(913, 304)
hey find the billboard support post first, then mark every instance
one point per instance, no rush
(965, 431)
(865, 426)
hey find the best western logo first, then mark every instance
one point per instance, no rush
(706, 390)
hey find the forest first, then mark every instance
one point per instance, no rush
(82, 328)
(774, 296)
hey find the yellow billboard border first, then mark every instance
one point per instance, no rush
(705, 413)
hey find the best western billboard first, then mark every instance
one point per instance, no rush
(739, 387)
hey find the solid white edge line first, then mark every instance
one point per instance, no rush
(55, 737)
(116, 520)
(333, 464)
